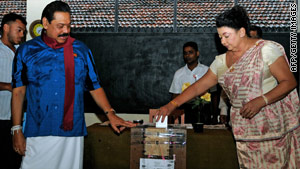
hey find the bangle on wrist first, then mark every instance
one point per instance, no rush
(15, 128)
(110, 110)
(174, 103)
(265, 99)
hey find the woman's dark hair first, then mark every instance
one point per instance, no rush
(235, 18)
(191, 44)
(55, 6)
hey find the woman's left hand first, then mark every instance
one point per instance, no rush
(250, 109)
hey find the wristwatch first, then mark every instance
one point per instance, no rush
(110, 110)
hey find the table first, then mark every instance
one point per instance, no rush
(212, 149)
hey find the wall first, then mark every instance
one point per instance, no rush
(34, 11)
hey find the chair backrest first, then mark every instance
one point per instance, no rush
(174, 118)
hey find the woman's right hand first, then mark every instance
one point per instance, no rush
(164, 111)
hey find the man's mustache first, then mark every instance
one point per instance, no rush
(64, 34)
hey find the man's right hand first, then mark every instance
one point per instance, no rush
(19, 142)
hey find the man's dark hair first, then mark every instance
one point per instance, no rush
(55, 6)
(12, 17)
(191, 44)
(257, 29)
(235, 18)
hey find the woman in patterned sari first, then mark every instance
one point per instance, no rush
(255, 75)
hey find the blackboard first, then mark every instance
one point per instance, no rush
(136, 69)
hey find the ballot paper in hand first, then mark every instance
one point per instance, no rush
(160, 124)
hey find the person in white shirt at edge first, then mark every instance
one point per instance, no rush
(13, 28)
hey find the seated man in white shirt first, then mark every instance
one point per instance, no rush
(191, 72)
(188, 74)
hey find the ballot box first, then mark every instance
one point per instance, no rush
(152, 147)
